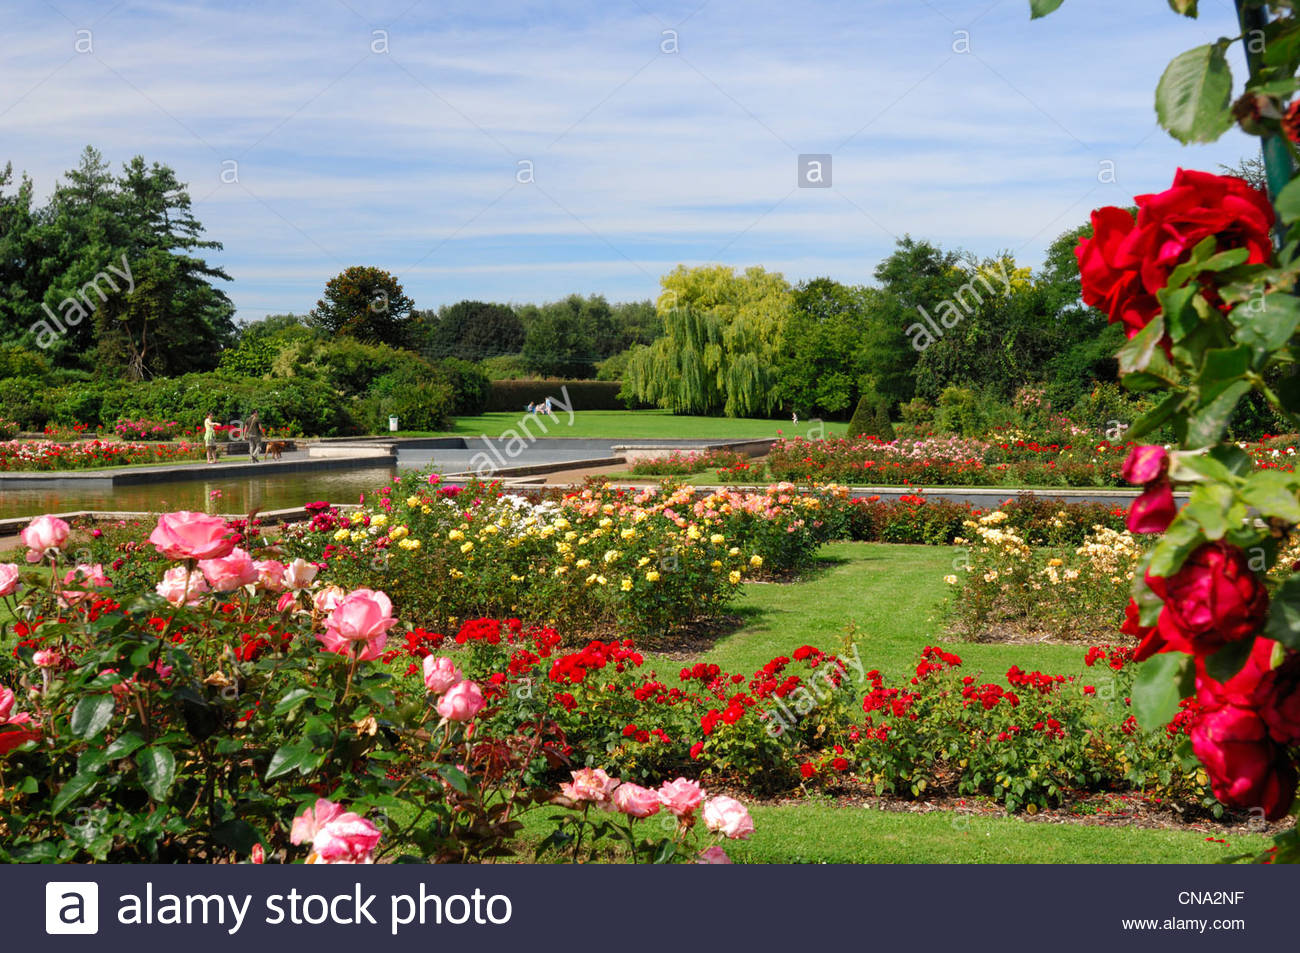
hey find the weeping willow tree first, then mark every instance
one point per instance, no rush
(719, 349)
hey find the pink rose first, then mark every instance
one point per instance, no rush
(589, 784)
(327, 599)
(364, 615)
(1145, 464)
(461, 702)
(17, 732)
(90, 574)
(45, 533)
(299, 574)
(347, 839)
(635, 801)
(308, 824)
(46, 658)
(173, 586)
(713, 855)
(270, 574)
(728, 817)
(230, 572)
(287, 599)
(186, 535)
(681, 797)
(440, 673)
(8, 579)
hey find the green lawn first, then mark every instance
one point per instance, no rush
(823, 834)
(894, 596)
(637, 425)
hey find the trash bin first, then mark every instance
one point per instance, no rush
(392, 423)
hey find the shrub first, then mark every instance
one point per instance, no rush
(470, 386)
(871, 419)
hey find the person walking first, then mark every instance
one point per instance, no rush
(253, 431)
(210, 437)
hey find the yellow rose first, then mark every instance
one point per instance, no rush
(341, 535)
(455, 535)
(412, 501)
(652, 576)
(466, 546)
(626, 584)
(734, 576)
(379, 519)
(583, 563)
(756, 561)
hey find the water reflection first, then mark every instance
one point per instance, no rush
(235, 495)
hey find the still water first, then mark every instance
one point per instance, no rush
(235, 495)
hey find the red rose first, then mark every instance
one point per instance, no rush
(1277, 696)
(1108, 282)
(1247, 769)
(1214, 599)
(1145, 464)
(1154, 510)
(807, 770)
(1126, 262)
(1133, 622)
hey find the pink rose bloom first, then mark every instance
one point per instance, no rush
(91, 574)
(270, 574)
(636, 801)
(681, 797)
(173, 586)
(728, 817)
(46, 658)
(713, 855)
(228, 573)
(461, 702)
(43, 534)
(440, 673)
(287, 599)
(18, 733)
(8, 579)
(364, 615)
(328, 599)
(1145, 464)
(589, 784)
(259, 854)
(308, 824)
(299, 574)
(347, 839)
(186, 535)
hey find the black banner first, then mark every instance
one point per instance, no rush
(198, 909)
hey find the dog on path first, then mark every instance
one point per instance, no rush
(274, 448)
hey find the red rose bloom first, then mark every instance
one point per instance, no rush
(1247, 769)
(1154, 510)
(1133, 623)
(1214, 599)
(1277, 696)
(1108, 281)
(1126, 262)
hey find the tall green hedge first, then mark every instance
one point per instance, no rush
(583, 395)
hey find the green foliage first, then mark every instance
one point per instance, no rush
(468, 330)
(515, 395)
(961, 410)
(822, 356)
(568, 338)
(871, 419)
(722, 334)
(365, 303)
(115, 259)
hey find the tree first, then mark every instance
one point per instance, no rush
(364, 303)
(121, 288)
(567, 338)
(821, 357)
(722, 333)
(470, 330)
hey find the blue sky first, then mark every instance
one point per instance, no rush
(642, 157)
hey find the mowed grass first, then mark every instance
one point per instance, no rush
(824, 834)
(637, 425)
(894, 597)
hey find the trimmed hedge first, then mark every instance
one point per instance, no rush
(583, 395)
(303, 405)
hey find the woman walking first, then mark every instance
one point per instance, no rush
(210, 437)
(253, 431)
